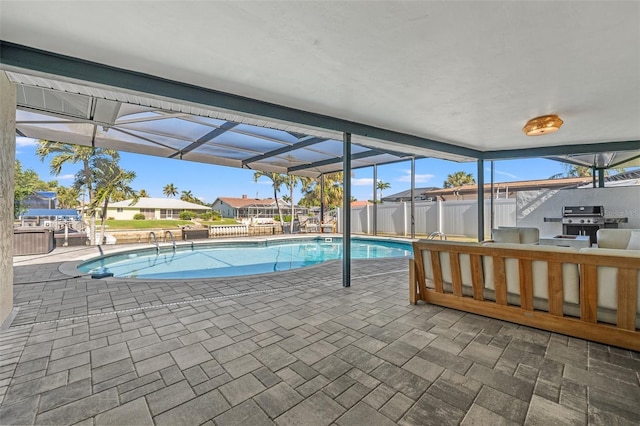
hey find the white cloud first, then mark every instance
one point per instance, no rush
(362, 182)
(498, 172)
(24, 143)
(424, 178)
(65, 177)
(21, 142)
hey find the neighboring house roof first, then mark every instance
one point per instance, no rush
(159, 203)
(515, 186)
(631, 178)
(633, 174)
(360, 203)
(238, 203)
(406, 195)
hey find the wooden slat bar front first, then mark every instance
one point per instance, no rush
(623, 334)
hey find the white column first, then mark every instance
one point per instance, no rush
(7, 182)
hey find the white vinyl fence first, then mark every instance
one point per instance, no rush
(449, 217)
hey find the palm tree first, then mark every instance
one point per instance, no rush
(71, 154)
(110, 181)
(143, 193)
(380, 185)
(277, 179)
(187, 196)
(572, 170)
(290, 182)
(67, 197)
(332, 190)
(459, 179)
(170, 190)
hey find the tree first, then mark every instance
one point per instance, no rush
(380, 185)
(459, 179)
(573, 171)
(63, 153)
(110, 180)
(26, 183)
(332, 190)
(290, 182)
(67, 197)
(143, 194)
(277, 180)
(170, 190)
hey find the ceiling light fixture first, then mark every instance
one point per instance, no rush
(542, 125)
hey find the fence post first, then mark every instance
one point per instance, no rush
(404, 217)
(439, 218)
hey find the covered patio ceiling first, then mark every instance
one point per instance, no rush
(273, 85)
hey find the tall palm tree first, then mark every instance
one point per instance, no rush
(459, 179)
(290, 182)
(170, 190)
(381, 186)
(67, 197)
(277, 180)
(332, 191)
(572, 170)
(63, 153)
(188, 197)
(111, 180)
(143, 193)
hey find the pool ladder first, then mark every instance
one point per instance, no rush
(155, 240)
(173, 240)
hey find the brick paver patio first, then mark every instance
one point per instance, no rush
(290, 348)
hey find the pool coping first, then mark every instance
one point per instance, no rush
(70, 268)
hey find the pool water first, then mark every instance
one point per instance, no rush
(217, 260)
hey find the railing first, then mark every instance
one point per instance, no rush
(155, 240)
(225, 230)
(173, 240)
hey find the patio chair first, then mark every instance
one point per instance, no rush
(308, 224)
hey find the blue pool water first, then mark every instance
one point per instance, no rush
(226, 260)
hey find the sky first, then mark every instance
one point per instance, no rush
(209, 182)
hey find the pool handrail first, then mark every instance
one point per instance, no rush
(173, 240)
(153, 234)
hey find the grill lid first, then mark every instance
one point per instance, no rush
(586, 211)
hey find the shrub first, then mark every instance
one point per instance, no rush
(187, 215)
(139, 216)
(206, 215)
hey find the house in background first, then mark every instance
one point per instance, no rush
(245, 207)
(504, 189)
(153, 208)
(358, 204)
(406, 195)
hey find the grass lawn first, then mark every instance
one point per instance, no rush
(159, 223)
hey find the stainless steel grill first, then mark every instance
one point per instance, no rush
(589, 215)
(586, 220)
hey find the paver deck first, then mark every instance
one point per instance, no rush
(290, 348)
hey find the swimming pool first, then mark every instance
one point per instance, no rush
(248, 258)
